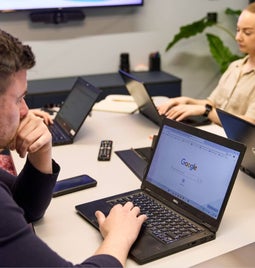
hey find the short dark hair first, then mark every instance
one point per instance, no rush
(14, 57)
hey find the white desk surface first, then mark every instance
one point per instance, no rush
(75, 240)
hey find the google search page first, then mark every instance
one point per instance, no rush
(192, 169)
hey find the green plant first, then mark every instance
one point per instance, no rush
(221, 53)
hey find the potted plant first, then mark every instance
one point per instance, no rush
(221, 53)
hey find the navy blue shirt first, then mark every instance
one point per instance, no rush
(23, 200)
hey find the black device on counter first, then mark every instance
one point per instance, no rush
(73, 184)
(105, 150)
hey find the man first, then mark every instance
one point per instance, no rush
(24, 199)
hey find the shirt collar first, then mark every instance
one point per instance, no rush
(241, 62)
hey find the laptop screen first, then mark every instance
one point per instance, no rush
(142, 98)
(78, 104)
(242, 131)
(192, 169)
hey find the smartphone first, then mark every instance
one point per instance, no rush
(73, 184)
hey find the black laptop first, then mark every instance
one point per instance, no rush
(73, 112)
(242, 131)
(184, 192)
(137, 89)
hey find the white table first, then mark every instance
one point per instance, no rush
(74, 239)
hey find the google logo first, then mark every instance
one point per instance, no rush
(188, 164)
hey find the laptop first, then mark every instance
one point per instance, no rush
(137, 159)
(137, 89)
(242, 131)
(73, 112)
(187, 185)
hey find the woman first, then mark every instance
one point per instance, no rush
(235, 92)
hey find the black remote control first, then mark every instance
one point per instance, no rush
(105, 150)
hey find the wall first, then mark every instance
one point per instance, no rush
(94, 45)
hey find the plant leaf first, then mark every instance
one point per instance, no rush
(191, 30)
(230, 11)
(220, 52)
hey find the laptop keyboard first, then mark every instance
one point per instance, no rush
(58, 136)
(163, 223)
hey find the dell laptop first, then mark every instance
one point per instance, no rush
(73, 112)
(242, 131)
(184, 192)
(137, 89)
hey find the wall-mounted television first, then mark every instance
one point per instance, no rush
(16, 5)
(59, 11)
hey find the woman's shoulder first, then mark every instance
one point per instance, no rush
(239, 62)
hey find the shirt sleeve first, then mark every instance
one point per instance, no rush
(19, 245)
(102, 260)
(32, 190)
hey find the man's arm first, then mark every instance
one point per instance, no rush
(34, 185)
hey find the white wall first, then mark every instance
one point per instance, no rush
(94, 45)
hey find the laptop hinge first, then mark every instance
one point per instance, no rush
(68, 130)
(208, 226)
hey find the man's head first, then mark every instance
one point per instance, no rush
(15, 60)
(14, 56)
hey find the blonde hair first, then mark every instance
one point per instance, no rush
(251, 7)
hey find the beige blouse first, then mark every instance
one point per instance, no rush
(235, 92)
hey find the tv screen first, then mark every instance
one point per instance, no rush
(15, 5)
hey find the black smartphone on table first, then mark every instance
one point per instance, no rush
(73, 184)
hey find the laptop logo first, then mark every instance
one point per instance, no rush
(72, 132)
(175, 201)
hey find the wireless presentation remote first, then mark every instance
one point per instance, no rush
(105, 150)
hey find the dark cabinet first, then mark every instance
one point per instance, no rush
(54, 91)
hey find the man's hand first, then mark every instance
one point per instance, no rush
(44, 115)
(34, 138)
(119, 229)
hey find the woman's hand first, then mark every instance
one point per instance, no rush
(44, 115)
(172, 102)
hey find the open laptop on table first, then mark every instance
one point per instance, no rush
(187, 186)
(242, 131)
(137, 89)
(137, 159)
(73, 112)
